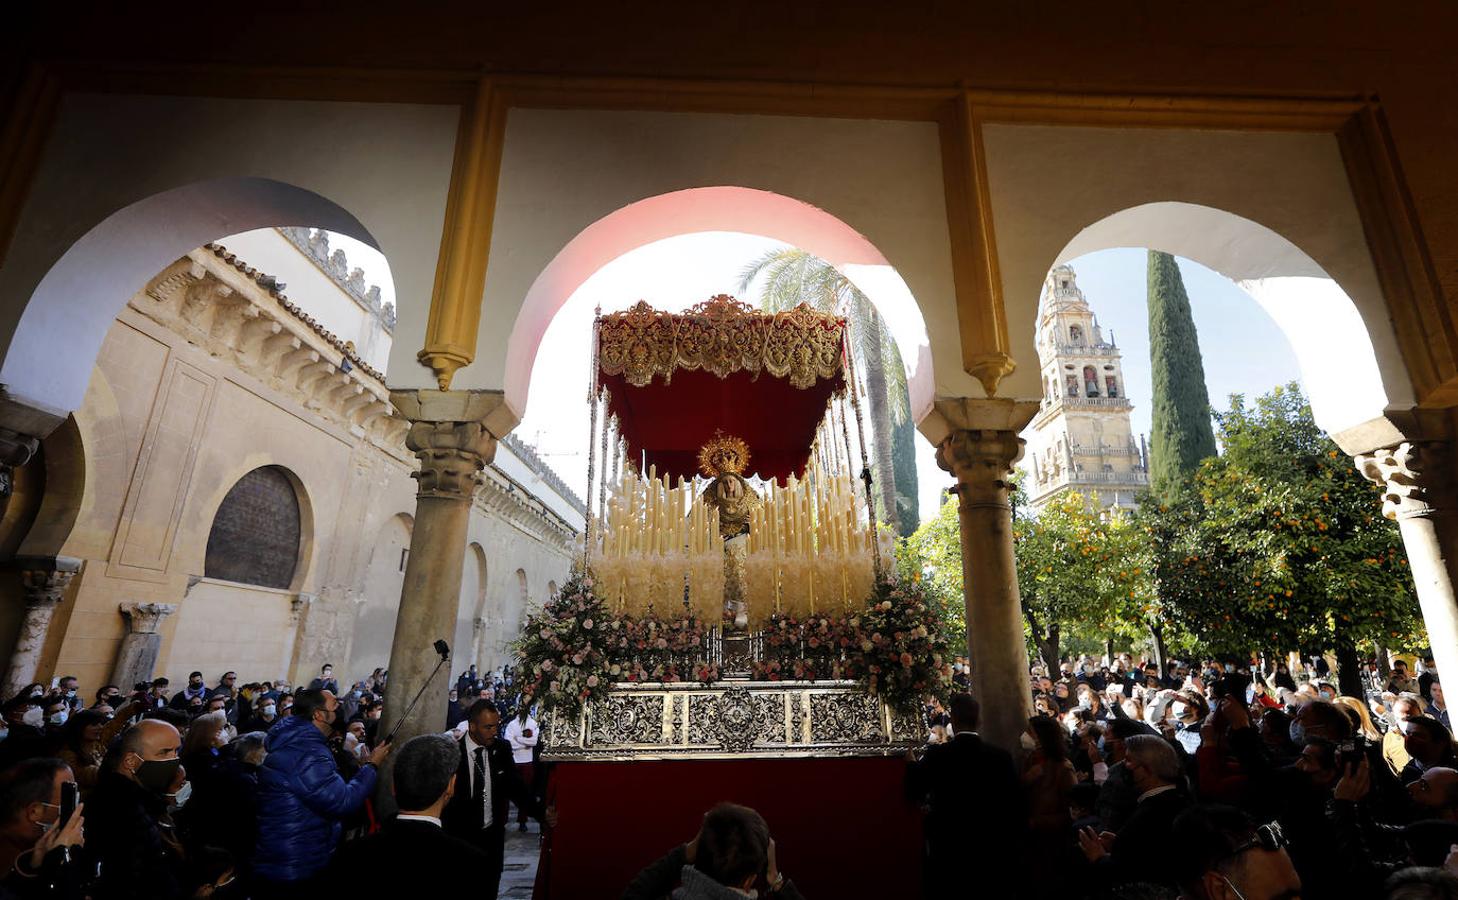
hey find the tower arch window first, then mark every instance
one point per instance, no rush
(1111, 386)
(1073, 385)
(1075, 334)
(257, 530)
(1090, 381)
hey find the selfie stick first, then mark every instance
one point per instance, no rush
(444, 650)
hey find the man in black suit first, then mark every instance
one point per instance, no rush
(956, 780)
(486, 778)
(1144, 849)
(413, 852)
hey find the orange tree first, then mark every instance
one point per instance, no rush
(1279, 543)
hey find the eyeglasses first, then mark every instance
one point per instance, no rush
(1268, 837)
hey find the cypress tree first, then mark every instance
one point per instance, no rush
(1182, 432)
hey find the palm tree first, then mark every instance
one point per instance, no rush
(793, 276)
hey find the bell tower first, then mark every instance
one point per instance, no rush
(1081, 438)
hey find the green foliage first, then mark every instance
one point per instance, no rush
(933, 554)
(1279, 543)
(903, 460)
(1181, 436)
(1081, 569)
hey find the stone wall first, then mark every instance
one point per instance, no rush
(206, 376)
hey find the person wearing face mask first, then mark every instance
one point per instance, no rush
(302, 798)
(265, 713)
(196, 689)
(39, 857)
(325, 681)
(954, 777)
(224, 812)
(57, 711)
(132, 840)
(25, 737)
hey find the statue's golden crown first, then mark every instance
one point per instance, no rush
(723, 454)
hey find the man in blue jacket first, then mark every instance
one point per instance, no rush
(302, 797)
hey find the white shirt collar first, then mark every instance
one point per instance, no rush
(404, 817)
(471, 745)
(1154, 792)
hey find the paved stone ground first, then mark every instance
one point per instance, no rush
(520, 871)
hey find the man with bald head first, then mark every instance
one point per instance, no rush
(1435, 793)
(129, 832)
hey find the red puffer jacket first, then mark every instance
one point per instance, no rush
(301, 798)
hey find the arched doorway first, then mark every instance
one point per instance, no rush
(374, 627)
(471, 622)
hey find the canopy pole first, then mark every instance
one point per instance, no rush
(865, 462)
(592, 399)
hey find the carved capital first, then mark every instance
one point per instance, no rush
(454, 435)
(1415, 477)
(45, 578)
(982, 461)
(452, 455)
(146, 618)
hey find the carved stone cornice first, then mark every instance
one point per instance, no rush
(214, 300)
(146, 618)
(1415, 477)
(45, 578)
(454, 435)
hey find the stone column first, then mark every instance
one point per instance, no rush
(44, 579)
(136, 660)
(1418, 491)
(979, 444)
(454, 435)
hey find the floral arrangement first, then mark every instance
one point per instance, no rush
(574, 650)
(903, 651)
(564, 652)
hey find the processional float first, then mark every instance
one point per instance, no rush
(731, 539)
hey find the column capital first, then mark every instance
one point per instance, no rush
(45, 578)
(981, 454)
(454, 435)
(146, 618)
(1415, 477)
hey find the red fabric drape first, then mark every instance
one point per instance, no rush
(671, 421)
(842, 827)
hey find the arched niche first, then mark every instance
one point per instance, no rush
(258, 533)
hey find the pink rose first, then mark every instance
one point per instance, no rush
(906, 660)
(555, 686)
(661, 644)
(592, 681)
(587, 624)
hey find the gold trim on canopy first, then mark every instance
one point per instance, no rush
(721, 335)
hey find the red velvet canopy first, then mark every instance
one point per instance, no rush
(674, 380)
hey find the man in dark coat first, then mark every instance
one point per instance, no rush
(302, 798)
(486, 778)
(130, 839)
(413, 852)
(1143, 849)
(965, 774)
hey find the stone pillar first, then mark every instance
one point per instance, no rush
(1418, 491)
(454, 435)
(977, 441)
(137, 659)
(44, 579)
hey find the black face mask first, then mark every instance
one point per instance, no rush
(157, 775)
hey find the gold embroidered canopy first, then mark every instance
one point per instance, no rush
(675, 379)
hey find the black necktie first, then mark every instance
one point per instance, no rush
(478, 796)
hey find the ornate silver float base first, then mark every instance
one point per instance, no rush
(764, 719)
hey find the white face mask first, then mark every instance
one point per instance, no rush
(1178, 709)
(34, 716)
(269, 710)
(179, 799)
(58, 717)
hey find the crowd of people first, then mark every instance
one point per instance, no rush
(1222, 779)
(234, 791)
(1212, 780)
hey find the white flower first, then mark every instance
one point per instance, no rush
(587, 624)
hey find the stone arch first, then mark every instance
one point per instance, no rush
(723, 208)
(257, 532)
(472, 625)
(1340, 368)
(49, 357)
(374, 626)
